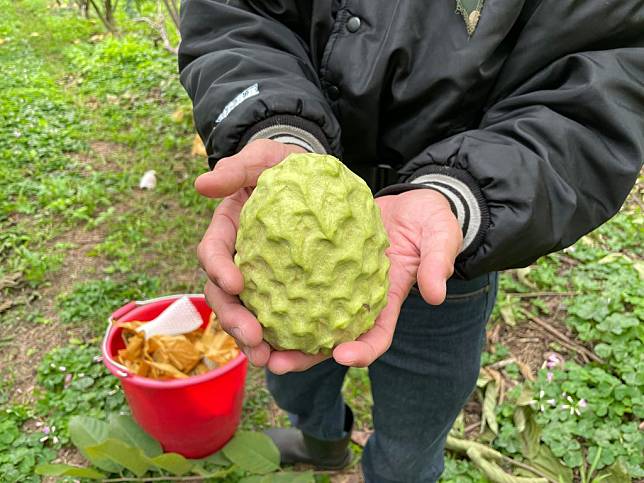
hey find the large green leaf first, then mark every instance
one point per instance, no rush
(257, 479)
(125, 428)
(483, 379)
(253, 452)
(551, 466)
(293, 477)
(615, 473)
(172, 462)
(494, 472)
(526, 396)
(519, 419)
(68, 470)
(120, 453)
(217, 458)
(281, 477)
(85, 432)
(531, 434)
(200, 470)
(489, 406)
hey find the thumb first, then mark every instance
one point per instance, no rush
(438, 251)
(242, 170)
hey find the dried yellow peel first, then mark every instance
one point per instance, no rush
(175, 356)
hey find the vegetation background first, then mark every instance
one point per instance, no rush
(89, 101)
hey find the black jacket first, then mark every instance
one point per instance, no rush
(532, 126)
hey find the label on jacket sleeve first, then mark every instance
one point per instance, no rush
(239, 98)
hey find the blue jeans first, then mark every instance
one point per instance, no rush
(419, 385)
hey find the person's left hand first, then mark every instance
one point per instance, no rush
(425, 238)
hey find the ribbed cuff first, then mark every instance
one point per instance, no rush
(289, 130)
(463, 193)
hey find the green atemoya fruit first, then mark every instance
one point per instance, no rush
(311, 247)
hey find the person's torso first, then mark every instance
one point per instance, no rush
(403, 74)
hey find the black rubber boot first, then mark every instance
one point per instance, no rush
(297, 447)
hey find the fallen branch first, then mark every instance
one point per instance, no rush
(501, 391)
(502, 364)
(160, 28)
(635, 197)
(495, 473)
(158, 478)
(480, 454)
(524, 368)
(9, 303)
(493, 335)
(11, 280)
(541, 294)
(218, 474)
(6, 340)
(564, 340)
(573, 348)
(567, 259)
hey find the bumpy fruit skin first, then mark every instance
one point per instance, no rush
(311, 247)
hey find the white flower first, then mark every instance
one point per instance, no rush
(574, 407)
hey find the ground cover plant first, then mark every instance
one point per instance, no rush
(85, 113)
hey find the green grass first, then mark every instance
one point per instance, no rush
(62, 91)
(83, 115)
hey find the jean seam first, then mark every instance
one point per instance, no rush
(461, 296)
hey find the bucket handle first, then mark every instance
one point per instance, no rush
(121, 370)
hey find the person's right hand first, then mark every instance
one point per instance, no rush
(233, 179)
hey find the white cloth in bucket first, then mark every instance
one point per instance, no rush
(180, 317)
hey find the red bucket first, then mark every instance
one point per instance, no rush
(195, 416)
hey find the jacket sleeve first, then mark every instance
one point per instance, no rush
(560, 145)
(250, 76)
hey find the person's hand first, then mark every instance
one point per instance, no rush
(233, 180)
(425, 239)
(424, 235)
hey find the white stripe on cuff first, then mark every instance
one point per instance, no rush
(466, 196)
(291, 135)
(289, 139)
